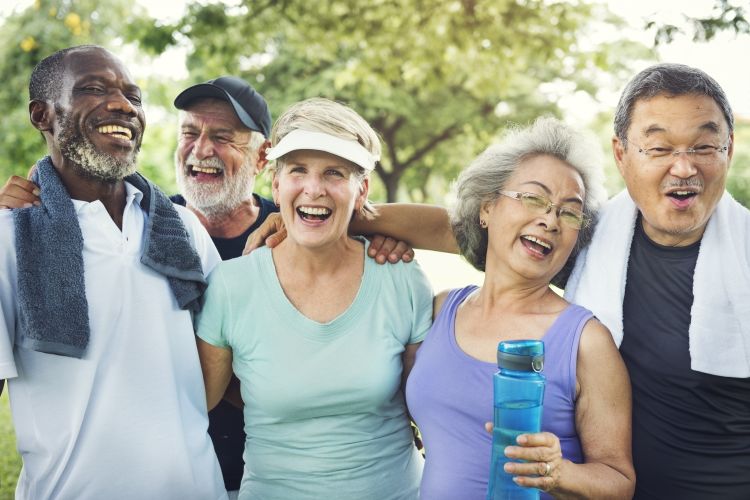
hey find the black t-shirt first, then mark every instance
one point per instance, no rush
(229, 248)
(225, 422)
(691, 430)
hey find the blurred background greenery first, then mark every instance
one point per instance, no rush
(438, 79)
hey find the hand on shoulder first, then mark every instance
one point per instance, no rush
(19, 193)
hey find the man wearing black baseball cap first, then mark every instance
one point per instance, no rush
(248, 104)
(223, 130)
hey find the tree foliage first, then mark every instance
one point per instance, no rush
(738, 180)
(437, 79)
(725, 16)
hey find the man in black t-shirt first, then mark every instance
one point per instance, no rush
(666, 272)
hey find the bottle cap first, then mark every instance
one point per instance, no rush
(521, 355)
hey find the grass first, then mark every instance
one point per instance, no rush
(10, 461)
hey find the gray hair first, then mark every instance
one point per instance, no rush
(488, 174)
(671, 80)
(319, 114)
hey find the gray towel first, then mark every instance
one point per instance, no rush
(49, 254)
(167, 249)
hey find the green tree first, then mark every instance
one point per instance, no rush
(437, 79)
(724, 16)
(738, 181)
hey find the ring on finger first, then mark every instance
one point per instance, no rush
(548, 469)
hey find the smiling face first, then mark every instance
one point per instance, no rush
(317, 193)
(522, 242)
(99, 120)
(676, 197)
(216, 162)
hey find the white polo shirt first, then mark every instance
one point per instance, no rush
(128, 420)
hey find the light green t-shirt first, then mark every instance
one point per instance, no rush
(324, 413)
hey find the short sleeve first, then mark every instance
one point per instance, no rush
(421, 296)
(212, 322)
(7, 296)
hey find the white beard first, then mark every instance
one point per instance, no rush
(218, 198)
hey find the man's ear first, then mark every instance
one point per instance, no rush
(42, 115)
(731, 149)
(262, 159)
(618, 151)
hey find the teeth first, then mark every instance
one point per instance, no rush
(314, 210)
(206, 170)
(115, 130)
(682, 193)
(539, 242)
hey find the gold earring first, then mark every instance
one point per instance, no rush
(483, 223)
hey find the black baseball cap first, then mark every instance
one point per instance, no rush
(248, 104)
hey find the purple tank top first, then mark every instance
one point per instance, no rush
(449, 395)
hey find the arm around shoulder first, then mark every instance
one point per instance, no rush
(19, 193)
(421, 226)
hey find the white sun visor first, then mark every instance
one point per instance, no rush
(319, 141)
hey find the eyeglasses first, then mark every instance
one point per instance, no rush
(700, 154)
(540, 205)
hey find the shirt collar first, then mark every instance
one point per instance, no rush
(132, 195)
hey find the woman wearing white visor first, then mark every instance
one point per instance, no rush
(320, 336)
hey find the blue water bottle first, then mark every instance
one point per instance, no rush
(519, 391)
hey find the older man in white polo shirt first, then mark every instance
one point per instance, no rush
(97, 289)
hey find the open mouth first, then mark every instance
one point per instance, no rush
(196, 171)
(116, 131)
(536, 245)
(682, 195)
(313, 213)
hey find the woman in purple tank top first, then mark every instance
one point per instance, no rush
(523, 211)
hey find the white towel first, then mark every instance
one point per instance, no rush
(719, 333)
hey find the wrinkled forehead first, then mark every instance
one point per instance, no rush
(549, 175)
(666, 115)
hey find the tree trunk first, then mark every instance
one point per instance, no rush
(390, 181)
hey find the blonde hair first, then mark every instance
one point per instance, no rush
(319, 114)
